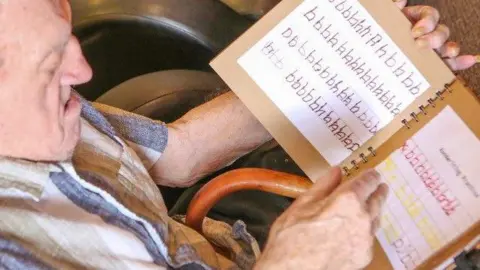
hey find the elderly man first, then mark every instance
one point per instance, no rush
(78, 180)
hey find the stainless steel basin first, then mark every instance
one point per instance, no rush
(123, 39)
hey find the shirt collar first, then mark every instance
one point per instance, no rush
(25, 178)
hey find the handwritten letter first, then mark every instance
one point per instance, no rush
(433, 179)
(334, 73)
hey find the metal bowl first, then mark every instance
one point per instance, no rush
(123, 39)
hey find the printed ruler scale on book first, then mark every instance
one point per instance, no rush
(342, 83)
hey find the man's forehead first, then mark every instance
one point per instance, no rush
(62, 7)
(37, 7)
(38, 21)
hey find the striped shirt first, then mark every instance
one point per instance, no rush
(102, 210)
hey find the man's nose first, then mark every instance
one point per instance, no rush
(76, 69)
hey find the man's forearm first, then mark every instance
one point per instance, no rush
(206, 139)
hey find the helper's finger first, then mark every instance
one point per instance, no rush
(321, 189)
(449, 50)
(365, 184)
(462, 62)
(435, 39)
(424, 18)
(376, 201)
(400, 3)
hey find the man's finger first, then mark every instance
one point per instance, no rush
(376, 201)
(400, 3)
(322, 188)
(365, 184)
(435, 39)
(462, 62)
(376, 225)
(449, 50)
(424, 18)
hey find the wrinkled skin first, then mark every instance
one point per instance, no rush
(40, 62)
(430, 34)
(332, 226)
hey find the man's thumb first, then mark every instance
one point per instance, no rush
(322, 187)
(400, 3)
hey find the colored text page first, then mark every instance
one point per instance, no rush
(434, 190)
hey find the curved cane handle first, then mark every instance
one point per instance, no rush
(279, 183)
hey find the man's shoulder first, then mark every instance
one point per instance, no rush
(146, 137)
(117, 123)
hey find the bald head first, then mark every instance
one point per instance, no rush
(46, 25)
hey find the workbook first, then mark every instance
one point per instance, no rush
(342, 83)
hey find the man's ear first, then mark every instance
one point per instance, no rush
(66, 9)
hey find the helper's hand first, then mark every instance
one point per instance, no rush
(429, 33)
(328, 227)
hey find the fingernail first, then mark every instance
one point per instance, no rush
(372, 173)
(418, 31)
(422, 43)
(478, 59)
(453, 49)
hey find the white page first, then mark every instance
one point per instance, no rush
(434, 190)
(338, 85)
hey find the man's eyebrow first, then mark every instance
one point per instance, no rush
(55, 49)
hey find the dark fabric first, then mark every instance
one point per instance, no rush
(257, 209)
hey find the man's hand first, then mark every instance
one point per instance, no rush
(328, 227)
(429, 33)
